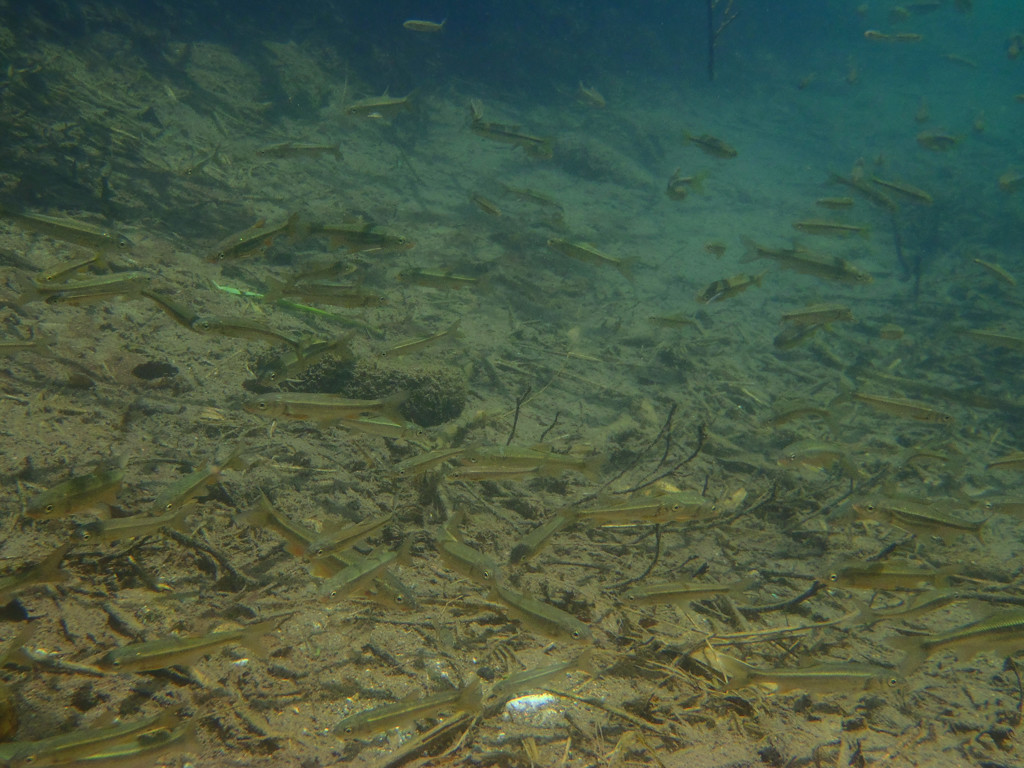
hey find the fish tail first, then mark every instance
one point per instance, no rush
(593, 465)
(752, 253)
(914, 653)
(391, 406)
(625, 267)
(737, 672)
(258, 515)
(48, 571)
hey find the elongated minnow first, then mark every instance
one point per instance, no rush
(185, 651)
(379, 719)
(77, 494)
(1001, 632)
(324, 407)
(542, 618)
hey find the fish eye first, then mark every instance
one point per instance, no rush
(262, 405)
(833, 577)
(892, 682)
(576, 634)
(486, 574)
(48, 508)
(399, 599)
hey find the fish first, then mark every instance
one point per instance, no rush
(820, 265)
(540, 678)
(1009, 461)
(997, 271)
(677, 320)
(589, 254)
(70, 230)
(185, 489)
(468, 561)
(834, 203)
(78, 747)
(361, 238)
(323, 407)
(362, 571)
(258, 237)
(294, 361)
(542, 147)
(937, 142)
(119, 528)
(728, 287)
(831, 228)
(994, 338)
(715, 248)
(919, 517)
(819, 314)
(890, 331)
(841, 677)
(346, 536)
(871, 194)
(348, 295)
(711, 145)
(856, 574)
(374, 721)
(61, 272)
(414, 345)
(532, 543)
(425, 462)
(242, 328)
(46, 571)
(429, 278)
(540, 617)
(907, 191)
(418, 25)
(795, 335)
(179, 313)
(487, 206)
(590, 96)
(150, 655)
(150, 748)
(682, 592)
(40, 345)
(785, 411)
(380, 106)
(384, 427)
(1001, 632)
(494, 474)
(84, 290)
(902, 407)
(1011, 181)
(874, 34)
(286, 149)
(297, 536)
(540, 458)
(679, 186)
(820, 454)
(77, 494)
(678, 506)
(919, 603)
(537, 198)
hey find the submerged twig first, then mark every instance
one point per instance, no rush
(515, 419)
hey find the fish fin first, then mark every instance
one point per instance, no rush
(391, 406)
(471, 697)
(625, 267)
(913, 650)
(593, 465)
(737, 672)
(275, 289)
